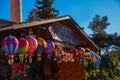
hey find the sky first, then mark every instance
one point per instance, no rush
(82, 11)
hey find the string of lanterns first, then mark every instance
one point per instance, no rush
(26, 46)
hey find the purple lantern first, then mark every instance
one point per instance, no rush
(49, 49)
(10, 45)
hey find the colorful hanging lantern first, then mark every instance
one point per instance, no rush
(87, 52)
(49, 49)
(64, 57)
(74, 52)
(53, 48)
(98, 61)
(59, 56)
(41, 41)
(95, 57)
(70, 57)
(39, 56)
(32, 45)
(41, 48)
(50, 46)
(92, 56)
(56, 55)
(23, 47)
(41, 45)
(10, 45)
(81, 52)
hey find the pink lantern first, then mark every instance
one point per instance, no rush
(32, 44)
(10, 45)
(23, 47)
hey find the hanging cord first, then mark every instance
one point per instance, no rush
(38, 32)
(30, 32)
(11, 30)
(47, 33)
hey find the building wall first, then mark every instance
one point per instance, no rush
(71, 71)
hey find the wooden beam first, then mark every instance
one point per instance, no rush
(34, 23)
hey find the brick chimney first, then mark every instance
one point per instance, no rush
(15, 11)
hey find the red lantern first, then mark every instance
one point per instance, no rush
(10, 45)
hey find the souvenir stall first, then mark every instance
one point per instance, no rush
(48, 49)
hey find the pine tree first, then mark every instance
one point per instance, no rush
(100, 36)
(99, 24)
(43, 10)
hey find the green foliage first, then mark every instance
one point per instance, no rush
(91, 70)
(43, 10)
(109, 68)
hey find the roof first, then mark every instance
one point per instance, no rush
(64, 19)
(5, 22)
